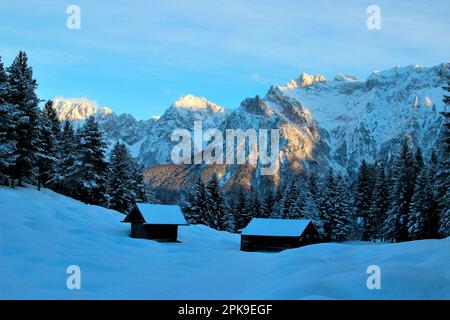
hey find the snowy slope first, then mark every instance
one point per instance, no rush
(41, 233)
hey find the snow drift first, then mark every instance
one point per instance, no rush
(42, 233)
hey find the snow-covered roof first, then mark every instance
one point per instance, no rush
(161, 214)
(276, 227)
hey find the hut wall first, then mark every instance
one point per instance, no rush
(310, 236)
(162, 232)
(268, 243)
(138, 230)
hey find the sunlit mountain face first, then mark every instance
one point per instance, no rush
(323, 123)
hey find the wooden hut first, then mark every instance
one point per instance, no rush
(155, 222)
(277, 234)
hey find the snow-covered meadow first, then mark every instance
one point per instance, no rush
(42, 233)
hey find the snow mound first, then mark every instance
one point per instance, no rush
(42, 233)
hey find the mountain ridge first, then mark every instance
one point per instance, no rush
(323, 123)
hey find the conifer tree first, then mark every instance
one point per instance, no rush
(8, 123)
(442, 182)
(141, 191)
(396, 224)
(120, 188)
(278, 195)
(418, 162)
(434, 218)
(267, 204)
(287, 200)
(363, 198)
(421, 214)
(216, 206)
(21, 88)
(255, 203)
(55, 124)
(64, 178)
(45, 151)
(380, 203)
(313, 187)
(296, 210)
(327, 205)
(343, 215)
(241, 210)
(311, 211)
(194, 204)
(90, 167)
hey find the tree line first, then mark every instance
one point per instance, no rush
(398, 199)
(36, 148)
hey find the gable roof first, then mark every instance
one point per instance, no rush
(276, 227)
(159, 214)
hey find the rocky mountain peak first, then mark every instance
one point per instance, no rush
(345, 77)
(305, 80)
(191, 102)
(75, 109)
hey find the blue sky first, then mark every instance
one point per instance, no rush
(139, 56)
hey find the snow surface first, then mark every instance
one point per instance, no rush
(276, 227)
(161, 214)
(42, 233)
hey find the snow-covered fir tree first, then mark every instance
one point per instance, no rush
(55, 124)
(217, 212)
(396, 225)
(8, 124)
(21, 88)
(64, 178)
(287, 199)
(327, 205)
(45, 151)
(343, 214)
(254, 204)
(120, 183)
(418, 162)
(90, 167)
(297, 208)
(142, 192)
(434, 219)
(380, 203)
(363, 199)
(421, 214)
(311, 210)
(267, 204)
(194, 204)
(442, 181)
(241, 210)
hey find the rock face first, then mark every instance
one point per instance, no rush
(322, 124)
(157, 145)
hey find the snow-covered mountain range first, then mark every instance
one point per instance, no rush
(322, 123)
